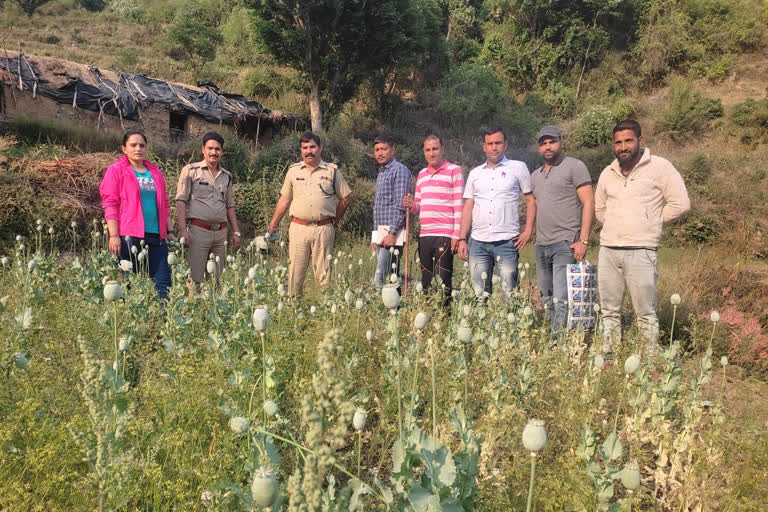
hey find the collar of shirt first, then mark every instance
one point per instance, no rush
(443, 167)
(557, 162)
(389, 165)
(504, 161)
(322, 165)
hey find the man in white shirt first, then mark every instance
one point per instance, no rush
(491, 202)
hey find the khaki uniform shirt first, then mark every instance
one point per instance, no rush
(207, 197)
(314, 194)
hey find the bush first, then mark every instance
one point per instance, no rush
(699, 169)
(701, 229)
(471, 94)
(129, 9)
(92, 5)
(687, 111)
(595, 127)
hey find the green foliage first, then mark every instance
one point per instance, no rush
(128, 9)
(752, 116)
(193, 32)
(701, 229)
(687, 111)
(471, 94)
(595, 126)
(535, 43)
(92, 5)
(29, 6)
(701, 35)
(699, 169)
(338, 45)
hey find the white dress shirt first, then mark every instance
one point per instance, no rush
(496, 193)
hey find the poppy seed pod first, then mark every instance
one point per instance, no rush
(534, 436)
(527, 311)
(280, 306)
(125, 344)
(270, 408)
(313, 310)
(172, 259)
(599, 362)
(390, 296)
(359, 419)
(20, 361)
(6, 261)
(484, 276)
(113, 291)
(347, 295)
(210, 267)
(281, 289)
(420, 322)
(630, 476)
(334, 309)
(359, 304)
(723, 361)
(464, 332)
(238, 424)
(261, 318)
(675, 299)
(714, 316)
(134, 249)
(369, 335)
(264, 487)
(32, 265)
(631, 365)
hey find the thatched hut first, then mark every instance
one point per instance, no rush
(51, 88)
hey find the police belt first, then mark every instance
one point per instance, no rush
(323, 222)
(211, 226)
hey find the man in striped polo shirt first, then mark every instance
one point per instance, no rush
(438, 201)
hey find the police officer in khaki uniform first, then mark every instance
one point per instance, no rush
(318, 196)
(205, 208)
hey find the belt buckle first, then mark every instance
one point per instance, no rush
(313, 223)
(215, 226)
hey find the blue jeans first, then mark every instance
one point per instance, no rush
(551, 267)
(482, 258)
(384, 262)
(156, 262)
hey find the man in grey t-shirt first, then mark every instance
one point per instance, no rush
(564, 212)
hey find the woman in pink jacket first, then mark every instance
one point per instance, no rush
(136, 209)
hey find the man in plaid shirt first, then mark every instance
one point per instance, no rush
(392, 184)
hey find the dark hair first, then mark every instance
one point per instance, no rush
(133, 131)
(432, 136)
(384, 139)
(310, 137)
(628, 124)
(213, 136)
(492, 130)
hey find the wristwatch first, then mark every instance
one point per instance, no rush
(236, 233)
(585, 242)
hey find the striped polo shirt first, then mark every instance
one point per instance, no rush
(438, 200)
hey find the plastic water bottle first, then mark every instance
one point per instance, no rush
(271, 238)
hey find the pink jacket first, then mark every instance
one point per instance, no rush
(121, 198)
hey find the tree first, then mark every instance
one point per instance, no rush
(337, 44)
(194, 32)
(30, 6)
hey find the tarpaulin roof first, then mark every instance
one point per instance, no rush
(122, 94)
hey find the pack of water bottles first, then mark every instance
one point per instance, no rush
(582, 295)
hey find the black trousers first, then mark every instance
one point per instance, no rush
(436, 258)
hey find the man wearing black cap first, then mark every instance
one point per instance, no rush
(564, 212)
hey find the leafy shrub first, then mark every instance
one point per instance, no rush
(687, 111)
(471, 94)
(701, 229)
(560, 98)
(699, 169)
(753, 116)
(622, 109)
(92, 5)
(595, 127)
(129, 9)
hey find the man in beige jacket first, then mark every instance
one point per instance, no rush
(636, 195)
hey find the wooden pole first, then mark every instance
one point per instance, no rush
(407, 237)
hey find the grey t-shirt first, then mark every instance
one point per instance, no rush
(558, 209)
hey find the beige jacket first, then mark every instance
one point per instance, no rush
(634, 209)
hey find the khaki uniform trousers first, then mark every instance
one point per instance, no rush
(305, 243)
(203, 242)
